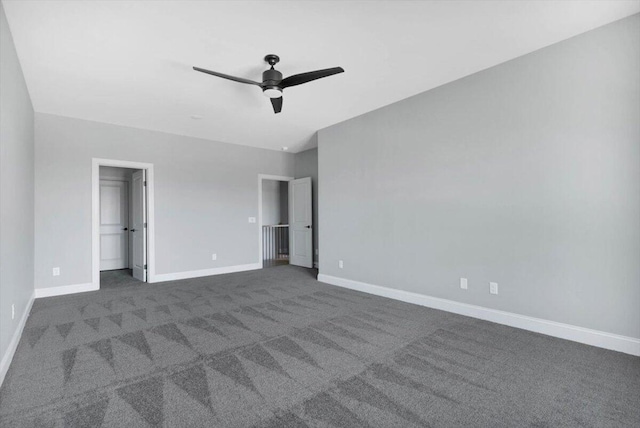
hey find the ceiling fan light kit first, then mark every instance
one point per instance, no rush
(272, 92)
(272, 82)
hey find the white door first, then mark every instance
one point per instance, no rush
(139, 225)
(114, 221)
(300, 223)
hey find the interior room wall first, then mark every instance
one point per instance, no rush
(306, 165)
(526, 174)
(16, 196)
(114, 172)
(271, 202)
(284, 202)
(205, 191)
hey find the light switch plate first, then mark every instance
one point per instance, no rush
(463, 283)
(56, 271)
(252, 219)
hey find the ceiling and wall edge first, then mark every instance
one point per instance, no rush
(109, 63)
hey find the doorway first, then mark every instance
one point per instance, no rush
(122, 223)
(286, 229)
(121, 226)
(275, 223)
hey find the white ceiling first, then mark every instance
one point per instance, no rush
(129, 62)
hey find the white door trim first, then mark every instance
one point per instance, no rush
(260, 178)
(96, 163)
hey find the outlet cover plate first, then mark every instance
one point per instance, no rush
(493, 287)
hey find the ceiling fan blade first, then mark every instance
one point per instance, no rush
(226, 76)
(277, 104)
(298, 79)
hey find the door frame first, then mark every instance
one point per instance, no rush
(262, 177)
(96, 163)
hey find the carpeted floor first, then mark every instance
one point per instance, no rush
(122, 278)
(276, 348)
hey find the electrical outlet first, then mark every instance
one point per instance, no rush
(252, 219)
(214, 256)
(493, 287)
(463, 283)
(13, 310)
(56, 271)
(340, 264)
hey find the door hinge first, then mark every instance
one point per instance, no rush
(145, 266)
(145, 224)
(144, 182)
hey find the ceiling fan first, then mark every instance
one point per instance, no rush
(272, 82)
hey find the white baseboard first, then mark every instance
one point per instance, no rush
(205, 272)
(65, 289)
(81, 288)
(627, 345)
(15, 339)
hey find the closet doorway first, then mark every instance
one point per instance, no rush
(122, 223)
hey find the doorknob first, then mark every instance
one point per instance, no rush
(133, 230)
(125, 229)
(308, 227)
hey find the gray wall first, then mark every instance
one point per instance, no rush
(284, 202)
(204, 193)
(526, 174)
(307, 166)
(16, 189)
(272, 200)
(114, 172)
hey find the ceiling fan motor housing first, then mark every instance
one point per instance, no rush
(271, 80)
(271, 77)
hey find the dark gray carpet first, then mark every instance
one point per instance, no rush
(275, 262)
(275, 348)
(112, 279)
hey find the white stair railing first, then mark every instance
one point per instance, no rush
(275, 242)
